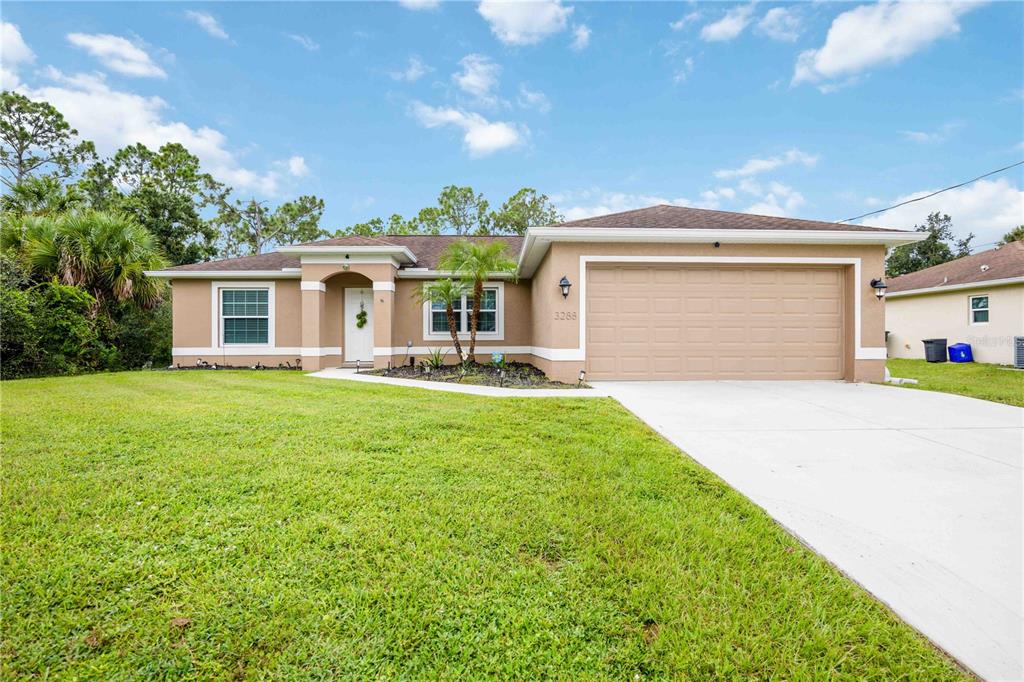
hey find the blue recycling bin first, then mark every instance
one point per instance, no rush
(961, 352)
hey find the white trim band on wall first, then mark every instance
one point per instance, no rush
(312, 285)
(383, 286)
(235, 351)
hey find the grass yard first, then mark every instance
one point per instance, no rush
(975, 380)
(221, 525)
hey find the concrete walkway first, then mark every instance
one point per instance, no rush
(490, 391)
(915, 495)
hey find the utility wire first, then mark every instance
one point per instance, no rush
(928, 196)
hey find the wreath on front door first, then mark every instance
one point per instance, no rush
(361, 316)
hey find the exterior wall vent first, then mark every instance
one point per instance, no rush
(1018, 352)
(984, 268)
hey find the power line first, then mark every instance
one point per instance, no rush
(928, 196)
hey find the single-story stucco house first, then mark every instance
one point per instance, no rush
(978, 299)
(656, 293)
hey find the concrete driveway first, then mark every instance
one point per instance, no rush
(916, 495)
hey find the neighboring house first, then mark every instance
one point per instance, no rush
(656, 293)
(977, 299)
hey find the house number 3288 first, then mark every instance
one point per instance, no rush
(565, 315)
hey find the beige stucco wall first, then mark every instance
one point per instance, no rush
(946, 315)
(192, 309)
(535, 314)
(556, 320)
(190, 313)
(192, 322)
(408, 325)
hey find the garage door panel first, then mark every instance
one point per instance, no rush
(702, 322)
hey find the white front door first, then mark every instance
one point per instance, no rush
(358, 340)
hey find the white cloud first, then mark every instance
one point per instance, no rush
(208, 23)
(940, 134)
(755, 166)
(524, 23)
(478, 77)
(780, 23)
(684, 71)
(419, 4)
(684, 21)
(591, 202)
(13, 53)
(988, 208)
(115, 118)
(533, 99)
(117, 54)
(297, 167)
(304, 40)
(480, 136)
(580, 37)
(413, 72)
(729, 26)
(778, 200)
(871, 35)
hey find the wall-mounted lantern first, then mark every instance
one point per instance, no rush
(564, 285)
(879, 286)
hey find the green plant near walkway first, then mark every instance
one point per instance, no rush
(215, 525)
(475, 263)
(448, 292)
(973, 379)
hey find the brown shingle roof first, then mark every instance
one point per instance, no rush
(1004, 262)
(426, 248)
(264, 261)
(681, 217)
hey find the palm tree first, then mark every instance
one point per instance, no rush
(475, 263)
(449, 292)
(106, 254)
(44, 195)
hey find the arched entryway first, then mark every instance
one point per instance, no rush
(346, 313)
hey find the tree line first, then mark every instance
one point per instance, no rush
(78, 231)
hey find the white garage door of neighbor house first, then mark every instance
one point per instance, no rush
(703, 322)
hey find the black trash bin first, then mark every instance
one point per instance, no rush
(935, 350)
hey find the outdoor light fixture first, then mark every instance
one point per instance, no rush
(879, 286)
(564, 285)
(583, 375)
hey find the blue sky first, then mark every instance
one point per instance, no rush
(818, 110)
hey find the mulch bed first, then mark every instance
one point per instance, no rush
(517, 375)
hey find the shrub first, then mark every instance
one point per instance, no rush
(67, 337)
(17, 333)
(47, 329)
(140, 336)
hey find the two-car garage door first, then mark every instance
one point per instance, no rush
(704, 322)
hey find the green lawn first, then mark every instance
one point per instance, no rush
(976, 380)
(206, 525)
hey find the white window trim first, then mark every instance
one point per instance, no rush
(217, 321)
(499, 324)
(971, 309)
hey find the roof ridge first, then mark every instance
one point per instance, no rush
(595, 221)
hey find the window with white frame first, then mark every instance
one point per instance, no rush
(245, 316)
(979, 309)
(487, 323)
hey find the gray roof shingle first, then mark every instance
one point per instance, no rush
(1003, 263)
